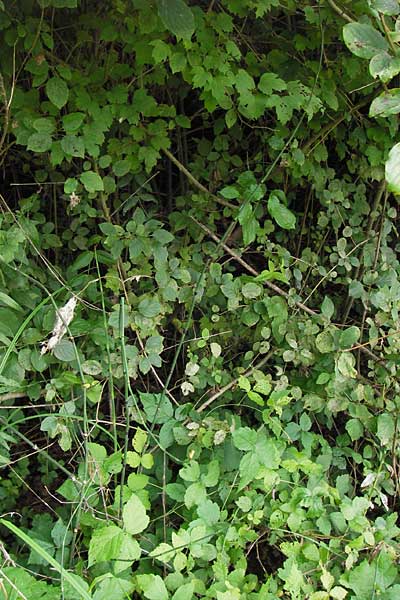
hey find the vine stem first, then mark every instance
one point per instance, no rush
(340, 11)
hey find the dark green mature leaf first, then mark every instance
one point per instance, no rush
(57, 91)
(392, 170)
(92, 181)
(388, 103)
(177, 17)
(363, 40)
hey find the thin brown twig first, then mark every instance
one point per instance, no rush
(230, 385)
(195, 181)
(273, 286)
(340, 11)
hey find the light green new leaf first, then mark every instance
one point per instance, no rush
(92, 182)
(184, 592)
(134, 515)
(363, 40)
(57, 91)
(111, 543)
(392, 170)
(345, 365)
(386, 104)
(282, 215)
(152, 587)
(177, 17)
(385, 429)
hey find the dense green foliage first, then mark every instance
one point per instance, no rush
(199, 299)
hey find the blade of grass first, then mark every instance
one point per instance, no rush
(46, 556)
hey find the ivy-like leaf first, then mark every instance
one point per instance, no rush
(134, 515)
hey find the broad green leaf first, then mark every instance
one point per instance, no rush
(327, 308)
(384, 66)
(363, 40)
(134, 515)
(111, 543)
(57, 91)
(355, 429)
(345, 364)
(244, 438)
(385, 429)
(184, 592)
(64, 351)
(386, 7)
(282, 215)
(177, 17)
(209, 512)
(39, 142)
(73, 121)
(113, 588)
(392, 170)
(348, 337)
(152, 587)
(388, 103)
(325, 342)
(73, 145)
(149, 307)
(92, 181)
(158, 407)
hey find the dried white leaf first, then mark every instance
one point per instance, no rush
(191, 369)
(368, 480)
(384, 500)
(187, 388)
(193, 425)
(219, 437)
(64, 316)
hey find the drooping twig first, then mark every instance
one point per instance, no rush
(340, 11)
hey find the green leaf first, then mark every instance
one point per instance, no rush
(73, 146)
(384, 66)
(282, 215)
(392, 170)
(152, 587)
(270, 82)
(158, 407)
(64, 351)
(244, 438)
(345, 365)
(355, 429)
(385, 429)
(348, 337)
(177, 17)
(73, 121)
(92, 181)
(8, 301)
(363, 40)
(149, 307)
(386, 7)
(209, 512)
(184, 592)
(57, 91)
(388, 103)
(134, 515)
(327, 308)
(39, 142)
(111, 543)
(121, 168)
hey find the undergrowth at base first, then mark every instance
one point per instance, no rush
(199, 300)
